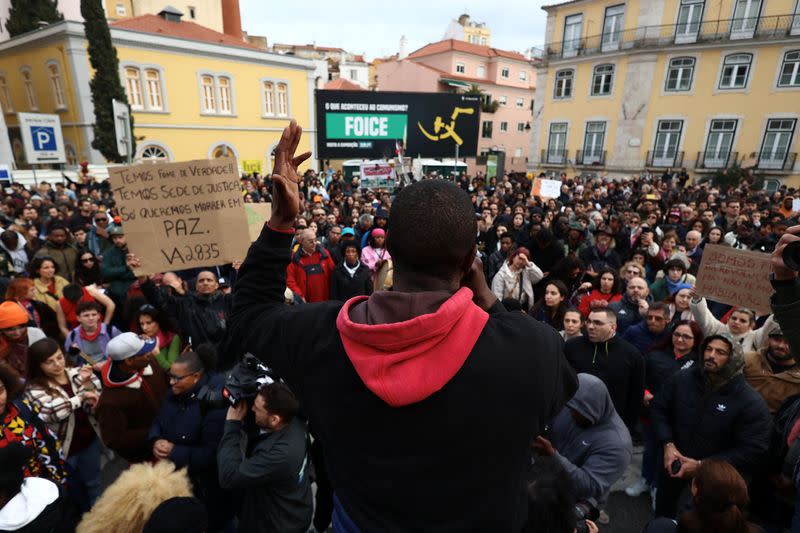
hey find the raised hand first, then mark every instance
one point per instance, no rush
(285, 181)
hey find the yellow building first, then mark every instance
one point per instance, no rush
(699, 84)
(466, 29)
(195, 93)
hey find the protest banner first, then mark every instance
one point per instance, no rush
(735, 277)
(546, 188)
(377, 176)
(257, 214)
(182, 215)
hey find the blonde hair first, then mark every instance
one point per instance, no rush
(633, 264)
(127, 504)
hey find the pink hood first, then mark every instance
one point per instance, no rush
(405, 362)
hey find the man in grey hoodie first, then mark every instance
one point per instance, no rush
(590, 440)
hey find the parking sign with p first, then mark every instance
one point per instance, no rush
(41, 136)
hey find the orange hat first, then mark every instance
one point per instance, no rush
(12, 314)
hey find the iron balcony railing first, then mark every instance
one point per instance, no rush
(595, 158)
(711, 159)
(659, 159)
(555, 156)
(772, 27)
(776, 161)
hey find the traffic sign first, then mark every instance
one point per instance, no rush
(41, 137)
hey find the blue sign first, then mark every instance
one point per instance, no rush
(44, 138)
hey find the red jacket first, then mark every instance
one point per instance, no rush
(310, 275)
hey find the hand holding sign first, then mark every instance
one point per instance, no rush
(285, 190)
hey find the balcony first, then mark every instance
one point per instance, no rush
(664, 159)
(590, 158)
(709, 31)
(555, 157)
(776, 161)
(714, 160)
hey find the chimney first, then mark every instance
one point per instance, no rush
(232, 19)
(171, 14)
(401, 53)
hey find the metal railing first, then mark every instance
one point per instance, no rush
(772, 27)
(711, 159)
(663, 160)
(555, 157)
(769, 161)
(590, 158)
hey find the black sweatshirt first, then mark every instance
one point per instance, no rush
(454, 459)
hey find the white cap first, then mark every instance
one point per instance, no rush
(128, 345)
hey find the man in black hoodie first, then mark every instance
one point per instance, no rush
(397, 385)
(617, 362)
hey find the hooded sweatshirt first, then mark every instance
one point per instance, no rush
(18, 255)
(34, 496)
(594, 457)
(395, 385)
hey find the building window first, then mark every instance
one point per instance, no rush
(505, 72)
(209, 101)
(557, 143)
(192, 12)
(680, 73)
(602, 80)
(503, 100)
(735, 71)
(523, 75)
(520, 127)
(564, 79)
(481, 72)
(612, 27)
(70, 155)
(745, 19)
(504, 127)
(483, 41)
(225, 101)
(668, 137)
(5, 96)
(573, 26)
(56, 86)
(690, 15)
(593, 142)
(777, 140)
(521, 103)
(353, 74)
(153, 153)
(222, 150)
(283, 100)
(30, 93)
(486, 129)
(121, 12)
(133, 86)
(460, 68)
(719, 143)
(155, 98)
(518, 152)
(269, 98)
(790, 71)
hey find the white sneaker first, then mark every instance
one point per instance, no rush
(637, 488)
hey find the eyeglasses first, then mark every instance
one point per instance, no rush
(683, 336)
(178, 379)
(87, 260)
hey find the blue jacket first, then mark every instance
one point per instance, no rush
(643, 338)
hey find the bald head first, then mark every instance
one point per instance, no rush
(693, 239)
(308, 240)
(637, 289)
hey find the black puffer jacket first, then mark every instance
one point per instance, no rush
(344, 287)
(661, 365)
(201, 318)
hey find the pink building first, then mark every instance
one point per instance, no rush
(506, 79)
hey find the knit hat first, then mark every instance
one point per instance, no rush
(12, 314)
(679, 287)
(378, 232)
(348, 231)
(178, 515)
(127, 345)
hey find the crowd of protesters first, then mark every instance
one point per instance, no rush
(99, 366)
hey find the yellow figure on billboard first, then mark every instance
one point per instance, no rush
(449, 129)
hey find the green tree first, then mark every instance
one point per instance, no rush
(26, 15)
(105, 84)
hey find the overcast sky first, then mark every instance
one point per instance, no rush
(374, 28)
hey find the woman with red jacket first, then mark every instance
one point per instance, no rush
(604, 289)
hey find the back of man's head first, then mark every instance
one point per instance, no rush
(432, 229)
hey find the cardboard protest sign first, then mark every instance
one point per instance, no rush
(257, 215)
(735, 277)
(546, 188)
(182, 215)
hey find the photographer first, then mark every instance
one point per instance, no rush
(272, 471)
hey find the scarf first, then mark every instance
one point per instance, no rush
(351, 271)
(91, 337)
(164, 339)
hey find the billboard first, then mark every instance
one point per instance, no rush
(367, 125)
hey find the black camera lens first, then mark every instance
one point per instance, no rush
(791, 256)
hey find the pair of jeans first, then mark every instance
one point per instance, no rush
(85, 475)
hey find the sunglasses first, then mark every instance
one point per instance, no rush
(87, 260)
(101, 220)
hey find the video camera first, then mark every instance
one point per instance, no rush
(243, 383)
(585, 510)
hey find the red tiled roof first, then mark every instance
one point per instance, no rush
(341, 84)
(468, 48)
(309, 47)
(182, 30)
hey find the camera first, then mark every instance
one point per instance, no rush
(675, 467)
(791, 256)
(585, 510)
(242, 384)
